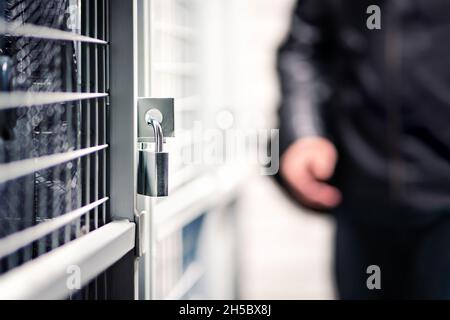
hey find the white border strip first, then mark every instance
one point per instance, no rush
(46, 277)
(20, 239)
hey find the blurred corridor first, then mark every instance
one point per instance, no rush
(285, 252)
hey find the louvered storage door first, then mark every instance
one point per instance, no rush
(183, 224)
(53, 128)
(174, 73)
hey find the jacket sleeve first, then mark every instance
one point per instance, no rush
(303, 65)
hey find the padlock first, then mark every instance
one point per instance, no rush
(153, 166)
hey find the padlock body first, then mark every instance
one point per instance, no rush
(153, 173)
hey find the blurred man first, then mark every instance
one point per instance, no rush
(365, 132)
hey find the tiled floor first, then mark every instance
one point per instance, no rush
(285, 251)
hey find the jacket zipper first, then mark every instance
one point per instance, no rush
(393, 70)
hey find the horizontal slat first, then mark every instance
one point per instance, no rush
(175, 30)
(190, 103)
(46, 276)
(16, 99)
(190, 278)
(17, 169)
(22, 238)
(176, 68)
(191, 200)
(41, 32)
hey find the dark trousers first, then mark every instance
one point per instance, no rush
(414, 261)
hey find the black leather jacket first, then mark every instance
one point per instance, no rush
(382, 96)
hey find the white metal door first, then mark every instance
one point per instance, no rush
(190, 233)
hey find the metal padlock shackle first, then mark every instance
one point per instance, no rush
(157, 131)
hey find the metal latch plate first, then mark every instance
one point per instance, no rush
(166, 107)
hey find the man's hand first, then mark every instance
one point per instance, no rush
(305, 165)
